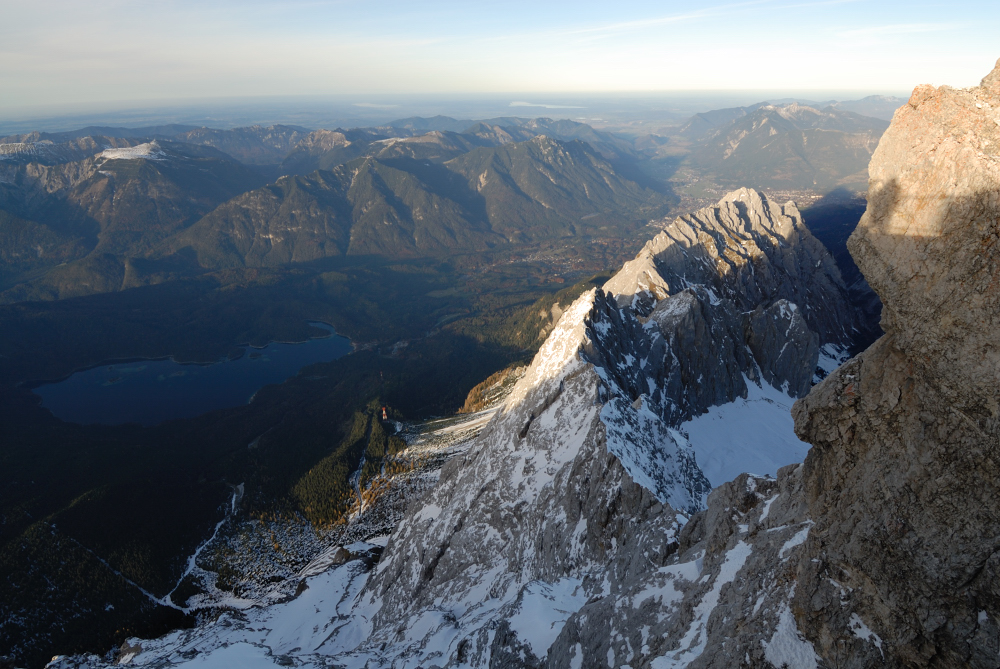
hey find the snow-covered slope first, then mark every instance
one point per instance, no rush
(753, 434)
(147, 151)
(564, 535)
(720, 598)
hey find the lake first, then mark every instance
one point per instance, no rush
(152, 391)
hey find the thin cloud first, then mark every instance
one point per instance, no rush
(373, 105)
(898, 29)
(653, 21)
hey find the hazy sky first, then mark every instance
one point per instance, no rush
(58, 52)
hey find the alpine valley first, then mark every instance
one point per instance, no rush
(614, 398)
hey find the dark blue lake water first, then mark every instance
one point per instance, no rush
(152, 391)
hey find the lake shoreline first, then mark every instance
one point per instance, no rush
(35, 383)
(151, 390)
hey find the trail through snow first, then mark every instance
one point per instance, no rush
(192, 562)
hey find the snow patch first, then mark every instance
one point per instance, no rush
(544, 610)
(243, 655)
(787, 648)
(862, 631)
(147, 151)
(796, 540)
(767, 509)
(754, 435)
(694, 641)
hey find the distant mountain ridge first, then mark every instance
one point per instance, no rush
(439, 139)
(82, 218)
(112, 212)
(141, 193)
(251, 145)
(791, 146)
(83, 223)
(401, 203)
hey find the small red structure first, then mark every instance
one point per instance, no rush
(385, 416)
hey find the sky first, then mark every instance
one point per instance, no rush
(59, 54)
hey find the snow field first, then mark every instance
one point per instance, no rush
(754, 435)
(147, 151)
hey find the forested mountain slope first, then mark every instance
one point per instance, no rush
(400, 203)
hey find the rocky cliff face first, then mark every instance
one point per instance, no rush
(745, 249)
(736, 275)
(903, 477)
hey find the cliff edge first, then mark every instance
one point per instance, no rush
(903, 480)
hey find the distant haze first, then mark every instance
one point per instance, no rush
(59, 57)
(672, 107)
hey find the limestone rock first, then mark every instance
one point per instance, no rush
(904, 476)
(748, 249)
(784, 346)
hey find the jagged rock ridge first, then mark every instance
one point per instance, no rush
(749, 256)
(564, 534)
(582, 482)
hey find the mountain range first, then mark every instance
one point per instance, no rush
(575, 511)
(407, 202)
(604, 513)
(438, 245)
(786, 147)
(120, 217)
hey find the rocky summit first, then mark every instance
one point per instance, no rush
(576, 504)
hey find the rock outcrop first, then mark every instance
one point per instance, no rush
(736, 275)
(904, 476)
(747, 249)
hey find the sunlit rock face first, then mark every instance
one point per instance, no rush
(904, 476)
(928, 243)
(748, 249)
